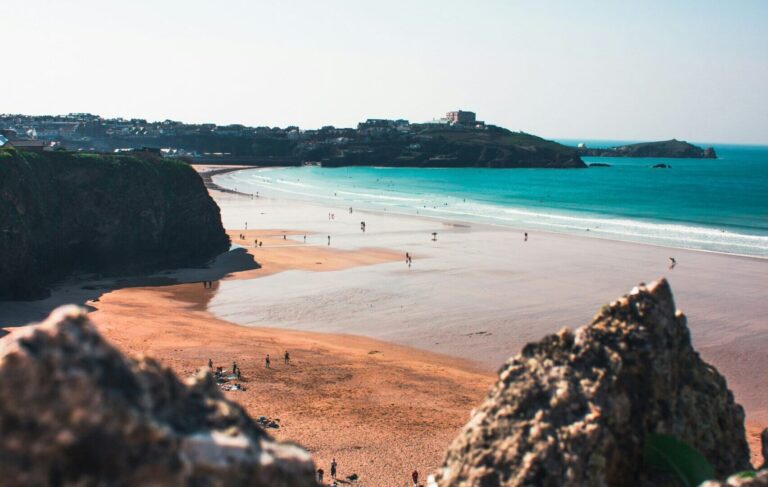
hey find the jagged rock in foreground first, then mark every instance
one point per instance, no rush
(75, 411)
(576, 407)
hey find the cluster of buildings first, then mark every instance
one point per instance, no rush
(85, 131)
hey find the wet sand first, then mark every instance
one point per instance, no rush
(380, 409)
(481, 292)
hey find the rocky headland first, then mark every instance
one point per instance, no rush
(64, 212)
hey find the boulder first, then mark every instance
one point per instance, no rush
(75, 411)
(577, 407)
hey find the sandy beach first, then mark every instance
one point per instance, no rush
(387, 359)
(480, 292)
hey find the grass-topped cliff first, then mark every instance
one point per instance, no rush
(450, 147)
(62, 212)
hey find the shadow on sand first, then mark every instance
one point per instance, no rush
(84, 288)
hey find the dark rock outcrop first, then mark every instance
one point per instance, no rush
(63, 212)
(74, 411)
(661, 165)
(576, 407)
(667, 148)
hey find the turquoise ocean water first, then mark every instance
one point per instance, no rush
(719, 205)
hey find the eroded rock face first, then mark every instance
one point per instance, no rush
(65, 212)
(74, 411)
(576, 407)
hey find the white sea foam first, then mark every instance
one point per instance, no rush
(434, 205)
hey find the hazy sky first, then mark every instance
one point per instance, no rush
(638, 70)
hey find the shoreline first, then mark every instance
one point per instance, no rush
(580, 274)
(514, 227)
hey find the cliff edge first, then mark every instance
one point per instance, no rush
(63, 212)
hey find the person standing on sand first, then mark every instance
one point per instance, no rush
(210, 363)
(234, 366)
(526, 237)
(333, 468)
(287, 358)
(246, 225)
(305, 239)
(415, 477)
(320, 473)
(329, 240)
(266, 362)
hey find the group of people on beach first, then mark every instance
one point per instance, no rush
(334, 471)
(207, 284)
(219, 372)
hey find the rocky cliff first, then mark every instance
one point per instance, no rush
(666, 148)
(74, 411)
(62, 212)
(577, 407)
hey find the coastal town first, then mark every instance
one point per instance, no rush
(88, 132)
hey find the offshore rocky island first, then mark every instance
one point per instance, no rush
(456, 140)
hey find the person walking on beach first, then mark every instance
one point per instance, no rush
(329, 240)
(415, 477)
(526, 237)
(210, 363)
(320, 473)
(246, 225)
(287, 358)
(234, 366)
(266, 362)
(305, 239)
(673, 263)
(333, 468)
